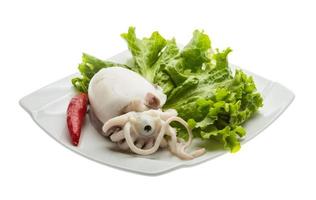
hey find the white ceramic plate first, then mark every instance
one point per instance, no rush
(47, 106)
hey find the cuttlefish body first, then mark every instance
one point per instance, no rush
(129, 110)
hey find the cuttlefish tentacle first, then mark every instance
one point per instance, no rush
(163, 115)
(150, 143)
(163, 143)
(123, 132)
(175, 147)
(179, 148)
(135, 149)
(115, 122)
(140, 143)
(117, 136)
(123, 145)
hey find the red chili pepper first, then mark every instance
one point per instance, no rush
(76, 112)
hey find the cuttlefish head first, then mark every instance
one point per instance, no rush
(145, 125)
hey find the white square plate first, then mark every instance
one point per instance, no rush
(47, 106)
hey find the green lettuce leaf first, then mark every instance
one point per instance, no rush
(208, 95)
(145, 52)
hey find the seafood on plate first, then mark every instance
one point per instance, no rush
(160, 95)
(129, 109)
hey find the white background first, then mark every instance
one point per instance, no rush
(42, 41)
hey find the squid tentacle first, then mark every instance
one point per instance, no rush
(164, 115)
(115, 122)
(126, 138)
(123, 145)
(163, 143)
(179, 148)
(118, 136)
(137, 150)
(140, 143)
(175, 147)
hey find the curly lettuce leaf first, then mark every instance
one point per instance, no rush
(196, 52)
(217, 102)
(145, 52)
(213, 100)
